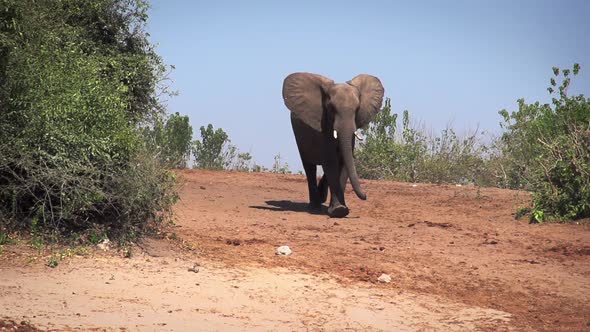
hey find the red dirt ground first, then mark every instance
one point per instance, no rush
(458, 259)
(459, 243)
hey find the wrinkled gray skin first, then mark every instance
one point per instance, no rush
(321, 110)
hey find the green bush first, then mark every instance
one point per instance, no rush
(546, 149)
(413, 155)
(76, 80)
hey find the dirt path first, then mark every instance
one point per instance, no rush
(458, 261)
(156, 293)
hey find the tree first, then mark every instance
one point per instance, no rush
(178, 139)
(213, 151)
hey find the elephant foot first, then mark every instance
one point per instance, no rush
(339, 211)
(315, 207)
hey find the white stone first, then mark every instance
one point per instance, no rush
(384, 278)
(195, 268)
(284, 251)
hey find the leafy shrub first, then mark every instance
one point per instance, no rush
(546, 150)
(376, 156)
(76, 80)
(413, 155)
(243, 162)
(279, 166)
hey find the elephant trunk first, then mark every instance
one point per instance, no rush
(346, 149)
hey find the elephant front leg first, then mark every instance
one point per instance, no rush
(315, 200)
(337, 208)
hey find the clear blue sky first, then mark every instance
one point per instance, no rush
(459, 61)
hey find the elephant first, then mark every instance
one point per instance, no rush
(325, 117)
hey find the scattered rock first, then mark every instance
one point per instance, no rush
(233, 242)
(284, 251)
(104, 245)
(384, 278)
(195, 268)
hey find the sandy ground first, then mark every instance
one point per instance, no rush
(458, 260)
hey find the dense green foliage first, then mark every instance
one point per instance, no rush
(77, 78)
(546, 149)
(414, 156)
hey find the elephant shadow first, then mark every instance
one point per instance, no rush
(284, 205)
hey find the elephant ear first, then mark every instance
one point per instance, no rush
(303, 94)
(371, 97)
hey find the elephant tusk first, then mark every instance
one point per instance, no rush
(335, 134)
(360, 138)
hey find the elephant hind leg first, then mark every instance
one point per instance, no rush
(323, 188)
(315, 202)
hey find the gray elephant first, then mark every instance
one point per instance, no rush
(325, 117)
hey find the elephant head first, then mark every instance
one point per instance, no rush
(337, 110)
